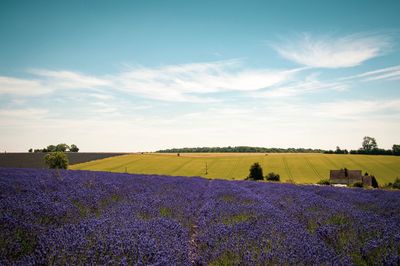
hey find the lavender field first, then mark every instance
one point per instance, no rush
(80, 217)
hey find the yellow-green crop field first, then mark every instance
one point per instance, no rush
(299, 167)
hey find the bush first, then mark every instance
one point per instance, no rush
(325, 182)
(256, 172)
(374, 182)
(396, 184)
(56, 160)
(272, 177)
(357, 184)
(73, 148)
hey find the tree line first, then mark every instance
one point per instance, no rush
(368, 146)
(62, 147)
(241, 149)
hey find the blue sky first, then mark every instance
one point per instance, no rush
(142, 76)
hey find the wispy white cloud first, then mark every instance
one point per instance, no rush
(69, 79)
(48, 81)
(311, 84)
(100, 96)
(178, 83)
(23, 113)
(358, 109)
(189, 82)
(22, 87)
(389, 73)
(21, 117)
(333, 52)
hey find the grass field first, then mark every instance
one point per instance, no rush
(301, 168)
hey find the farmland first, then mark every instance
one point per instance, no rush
(81, 217)
(299, 167)
(36, 160)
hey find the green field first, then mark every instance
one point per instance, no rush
(301, 168)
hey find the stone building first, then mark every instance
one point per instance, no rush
(348, 177)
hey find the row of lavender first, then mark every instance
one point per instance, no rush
(79, 217)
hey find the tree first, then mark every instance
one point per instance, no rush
(396, 184)
(62, 147)
(338, 150)
(73, 148)
(256, 172)
(272, 177)
(56, 160)
(50, 148)
(358, 184)
(369, 144)
(396, 149)
(374, 182)
(30, 150)
(324, 182)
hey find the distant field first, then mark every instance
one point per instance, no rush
(301, 168)
(35, 160)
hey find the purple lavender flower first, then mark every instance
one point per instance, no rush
(81, 217)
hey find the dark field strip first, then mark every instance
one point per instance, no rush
(35, 160)
(81, 217)
(313, 168)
